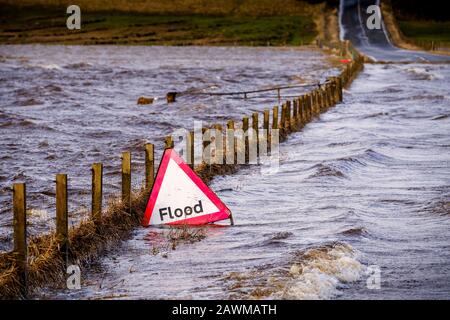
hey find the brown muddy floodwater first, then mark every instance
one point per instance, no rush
(63, 108)
(365, 187)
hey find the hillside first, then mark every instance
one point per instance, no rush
(187, 22)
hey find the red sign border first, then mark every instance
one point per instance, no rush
(168, 154)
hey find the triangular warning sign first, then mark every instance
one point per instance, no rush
(179, 196)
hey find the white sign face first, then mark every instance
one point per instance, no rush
(179, 196)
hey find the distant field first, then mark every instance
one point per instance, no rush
(154, 26)
(426, 30)
(208, 7)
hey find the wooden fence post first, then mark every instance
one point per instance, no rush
(20, 235)
(206, 137)
(246, 140)
(62, 223)
(310, 105)
(275, 118)
(318, 101)
(126, 179)
(266, 124)
(190, 149)
(149, 165)
(266, 119)
(323, 98)
(288, 115)
(231, 145)
(171, 97)
(283, 116)
(255, 126)
(218, 144)
(303, 109)
(329, 94)
(97, 190)
(336, 90)
(168, 142)
(295, 112)
(313, 103)
(333, 90)
(300, 110)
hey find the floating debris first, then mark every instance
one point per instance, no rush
(145, 100)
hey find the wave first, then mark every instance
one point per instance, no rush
(340, 144)
(314, 273)
(432, 97)
(375, 156)
(439, 207)
(421, 73)
(441, 117)
(341, 167)
(9, 120)
(137, 144)
(53, 88)
(28, 102)
(36, 95)
(281, 235)
(376, 115)
(350, 163)
(358, 231)
(274, 240)
(389, 90)
(78, 66)
(46, 66)
(324, 170)
(318, 272)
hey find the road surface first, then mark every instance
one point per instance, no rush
(376, 43)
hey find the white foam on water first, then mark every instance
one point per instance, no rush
(424, 73)
(321, 273)
(50, 66)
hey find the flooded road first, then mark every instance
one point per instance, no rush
(359, 209)
(376, 43)
(63, 108)
(365, 187)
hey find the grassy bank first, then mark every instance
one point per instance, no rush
(438, 31)
(39, 24)
(416, 34)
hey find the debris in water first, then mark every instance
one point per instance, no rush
(145, 100)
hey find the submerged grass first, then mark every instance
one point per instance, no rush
(89, 239)
(46, 263)
(185, 234)
(176, 235)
